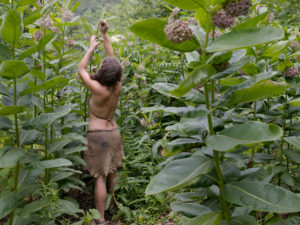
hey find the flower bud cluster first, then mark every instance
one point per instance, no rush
(216, 34)
(37, 35)
(221, 20)
(178, 31)
(291, 71)
(45, 22)
(54, 29)
(295, 45)
(67, 15)
(237, 8)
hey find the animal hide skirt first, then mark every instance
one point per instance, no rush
(105, 152)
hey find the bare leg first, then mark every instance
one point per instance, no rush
(100, 195)
(112, 181)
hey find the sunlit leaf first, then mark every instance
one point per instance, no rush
(153, 30)
(179, 173)
(246, 38)
(252, 22)
(244, 134)
(275, 49)
(12, 27)
(11, 110)
(13, 68)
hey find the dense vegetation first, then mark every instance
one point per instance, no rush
(209, 113)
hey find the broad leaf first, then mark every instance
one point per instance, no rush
(295, 141)
(192, 96)
(189, 4)
(181, 144)
(27, 137)
(49, 84)
(153, 30)
(13, 68)
(246, 38)
(52, 163)
(275, 49)
(293, 155)
(199, 74)
(11, 157)
(207, 219)
(5, 52)
(32, 18)
(252, 22)
(244, 220)
(204, 19)
(189, 111)
(12, 27)
(33, 207)
(262, 90)
(11, 110)
(190, 209)
(244, 134)
(262, 196)
(8, 202)
(5, 123)
(179, 173)
(293, 220)
(295, 102)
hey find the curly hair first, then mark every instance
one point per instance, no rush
(109, 73)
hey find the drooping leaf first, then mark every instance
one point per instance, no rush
(32, 18)
(52, 163)
(11, 157)
(49, 84)
(153, 30)
(244, 134)
(252, 22)
(179, 173)
(295, 141)
(199, 74)
(13, 68)
(5, 52)
(246, 38)
(190, 209)
(192, 96)
(262, 196)
(189, 4)
(12, 27)
(207, 219)
(8, 202)
(11, 110)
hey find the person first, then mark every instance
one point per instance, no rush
(104, 153)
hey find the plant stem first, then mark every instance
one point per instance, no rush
(254, 111)
(283, 128)
(216, 159)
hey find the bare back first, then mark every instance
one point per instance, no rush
(102, 108)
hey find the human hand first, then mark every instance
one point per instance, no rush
(103, 26)
(94, 43)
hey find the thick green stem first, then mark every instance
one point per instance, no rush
(254, 110)
(216, 159)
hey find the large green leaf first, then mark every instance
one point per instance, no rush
(8, 202)
(5, 52)
(295, 141)
(179, 173)
(181, 144)
(274, 50)
(11, 110)
(199, 74)
(189, 111)
(13, 68)
(52, 163)
(293, 155)
(293, 220)
(11, 157)
(246, 38)
(33, 207)
(244, 220)
(5, 123)
(262, 196)
(32, 18)
(295, 102)
(252, 22)
(153, 30)
(206, 219)
(189, 4)
(12, 27)
(261, 90)
(192, 96)
(244, 134)
(204, 19)
(27, 137)
(49, 84)
(190, 209)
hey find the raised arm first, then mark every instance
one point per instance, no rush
(91, 84)
(107, 45)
